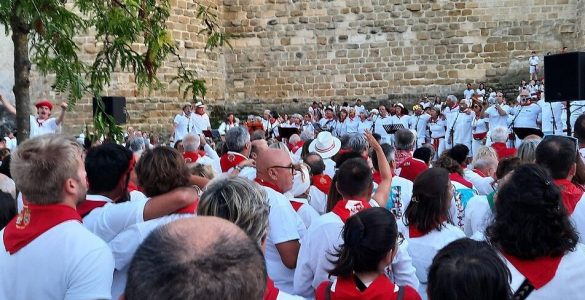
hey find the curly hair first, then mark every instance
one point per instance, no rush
(530, 219)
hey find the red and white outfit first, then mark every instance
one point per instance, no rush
(552, 278)
(419, 124)
(411, 168)
(324, 237)
(231, 159)
(423, 246)
(318, 192)
(107, 219)
(183, 125)
(284, 225)
(46, 253)
(460, 125)
(40, 127)
(482, 182)
(479, 131)
(438, 131)
(209, 159)
(125, 244)
(380, 288)
(574, 202)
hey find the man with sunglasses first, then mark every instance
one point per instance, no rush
(275, 173)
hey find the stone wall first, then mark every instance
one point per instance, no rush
(297, 51)
(291, 52)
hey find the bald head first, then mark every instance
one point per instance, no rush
(274, 166)
(257, 147)
(197, 258)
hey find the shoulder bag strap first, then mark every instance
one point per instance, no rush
(523, 291)
(328, 291)
(400, 293)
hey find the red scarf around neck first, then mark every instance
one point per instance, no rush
(271, 291)
(570, 193)
(479, 172)
(33, 221)
(322, 182)
(265, 183)
(189, 209)
(85, 207)
(538, 271)
(191, 157)
(347, 208)
(458, 178)
(230, 160)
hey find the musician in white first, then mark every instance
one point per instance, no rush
(418, 122)
(437, 126)
(497, 115)
(459, 125)
(379, 121)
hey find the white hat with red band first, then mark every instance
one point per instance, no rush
(325, 144)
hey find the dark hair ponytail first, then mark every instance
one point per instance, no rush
(368, 238)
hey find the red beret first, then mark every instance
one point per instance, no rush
(45, 103)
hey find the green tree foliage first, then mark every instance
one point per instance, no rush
(43, 32)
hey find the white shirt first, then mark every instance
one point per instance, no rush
(379, 123)
(526, 116)
(46, 127)
(125, 245)
(567, 283)
(482, 184)
(479, 126)
(578, 218)
(225, 127)
(306, 211)
(11, 143)
(109, 220)
(283, 225)
(352, 125)
(399, 196)
(318, 199)
(423, 249)
(322, 239)
(419, 124)
(329, 167)
(438, 128)
(460, 123)
(478, 215)
(548, 110)
(459, 201)
(359, 109)
(495, 120)
(183, 125)
(65, 262)
(467, 93)
(210, 159)
(200, 122)
(534, 60)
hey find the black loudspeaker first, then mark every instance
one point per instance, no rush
(565, 77)
(113, 106)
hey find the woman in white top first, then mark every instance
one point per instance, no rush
(427, 223)
(535, 238)
(229, 123)
(438, 127)
(479, 128)
(480, 92)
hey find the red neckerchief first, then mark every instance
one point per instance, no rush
(33, 221)
(538, 271)
(503, 151)
(265, 183)
(455, 107)
(189, 209)
(191, 157)
(293, 148)
(380, 288)
(347, 208)
(458, 178)
(402, 155)
(271, 292)
(415, 233)
(230, 160)
(296, 205)
(272, 121)
(570, 193)
(85, 207)
(479, 172)
(322, 182)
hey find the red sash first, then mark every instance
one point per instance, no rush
(191, 157)
(33, 221)
(230, 160)
(347, 208)
(85, 207)
(265, 183)
(570, 193)
(271, 292)
(322, 182)
(458, 178)
(479, 136)
(538, 271)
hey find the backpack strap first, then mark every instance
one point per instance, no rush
(523, 291)
(328, 291)
(400, 293)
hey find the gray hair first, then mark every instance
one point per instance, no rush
(499, 135)
(298, 116)
(389, 152)
(484, 152)
(527, 151)
(307, 135)
(237, 200)
(357, 143)
(452, 98)
(191, 142)
(236, 139)
(137, 144)
(404, 139)
(485, 163)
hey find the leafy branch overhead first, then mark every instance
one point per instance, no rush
(121, 28)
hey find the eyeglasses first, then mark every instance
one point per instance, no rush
(292, 168)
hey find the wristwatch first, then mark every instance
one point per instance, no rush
(238, 168)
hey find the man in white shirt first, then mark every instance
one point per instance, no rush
(497, 114)
(42, 123)
(526, 115)
(379, 121)
(239, 147)
(191, 144)
(363, 123)
(459, 129)
(275, 174)
(159, 171)
(359, 107)
(45, 252)
(533, 62)
(469, 92)
(197, 258)
(418, 123)
(200, 119)
(183, 123)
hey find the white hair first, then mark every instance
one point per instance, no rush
(191, 142)
(452, 98)
(499, 135)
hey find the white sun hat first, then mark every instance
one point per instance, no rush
(325, 144)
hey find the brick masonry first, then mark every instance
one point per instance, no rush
(290, 52)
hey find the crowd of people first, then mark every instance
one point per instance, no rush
(472, 198)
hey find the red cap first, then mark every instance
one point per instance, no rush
(45, 103)
(411, 167)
